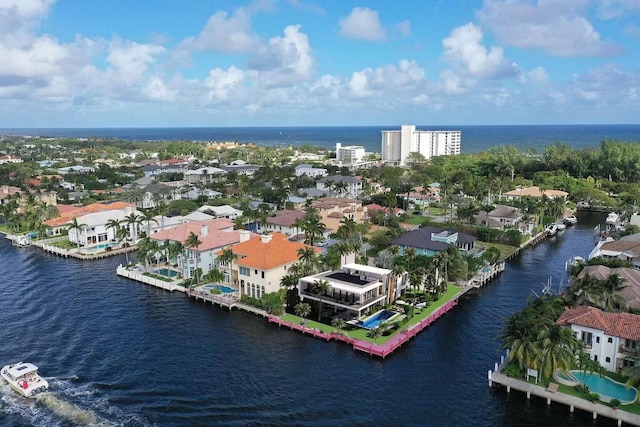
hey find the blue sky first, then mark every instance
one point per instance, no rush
(166, 63)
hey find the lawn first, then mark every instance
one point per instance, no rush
(361, 333)
(414, 220)
(505, 250)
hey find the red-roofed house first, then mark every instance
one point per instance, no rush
(284, 222)
(374, 207)
(214, 235)
(262, 262)
(611, 339)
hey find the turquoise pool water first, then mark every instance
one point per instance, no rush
(166, 272)
(377, 319)
(221, 288)
(606, 387)
(101, 247)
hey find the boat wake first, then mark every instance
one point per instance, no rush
(68, 405)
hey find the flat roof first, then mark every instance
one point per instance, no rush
(22, 369)
(366, 268)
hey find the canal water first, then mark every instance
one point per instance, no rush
(121, 353)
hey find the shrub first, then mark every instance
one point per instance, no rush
(614, 402)
(582, 388)
(594, 396)
(513, 369)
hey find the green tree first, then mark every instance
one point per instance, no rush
(77, 228)
(320, 287)
(302, 310)
(193, 242)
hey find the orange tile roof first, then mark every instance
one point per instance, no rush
(69, 215)
(266, 256)
(623, 325)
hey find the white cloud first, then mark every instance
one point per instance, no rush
(17, 13)
(609, 9)
(406, 77)
(464, 47)
(222, 84)
(284, 60)
(362, 24)
(451, 83)
(223, 33)
(553, 26)
(131, 59)
(157, 90)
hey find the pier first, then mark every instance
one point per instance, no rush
(140, 277)
(549, 394)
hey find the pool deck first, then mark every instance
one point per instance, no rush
(573, 402)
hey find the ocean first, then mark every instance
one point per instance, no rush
(474, 138)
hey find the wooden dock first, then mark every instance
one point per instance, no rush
(496, 377)
(215, 299)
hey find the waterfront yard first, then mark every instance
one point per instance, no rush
(356, 332)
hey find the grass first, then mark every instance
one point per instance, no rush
(361, 333)
(414, 220)
(505, 250)
(158, 276)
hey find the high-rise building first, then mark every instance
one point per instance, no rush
(397, 144)
(349, 154)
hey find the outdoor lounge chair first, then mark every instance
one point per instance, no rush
(553, 387)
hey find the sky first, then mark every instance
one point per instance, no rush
(183, 63)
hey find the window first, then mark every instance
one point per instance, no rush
(597, 340)
(608, 359)
(587, 338)
(263, 291)
(595, 357)
(244, 271)
(609, 340)
(262, 274)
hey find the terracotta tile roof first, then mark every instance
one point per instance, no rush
(535, 192)
(277, 252)
(213, 237)
(69, 215)
(285, 217)
(623, 325)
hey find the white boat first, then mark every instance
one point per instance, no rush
(24, 378)
(561, 226)
(21, 241)
(570, 220)
(613, 218)
(551, 229)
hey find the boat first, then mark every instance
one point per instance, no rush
(551, 230)
(573, 261)
(570, 220)
(561, 226)
(612, 218)
(24, 378)
(21, 241)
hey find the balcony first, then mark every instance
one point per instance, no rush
(345, 301)
(628, 351)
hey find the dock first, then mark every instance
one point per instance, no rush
(496, 377)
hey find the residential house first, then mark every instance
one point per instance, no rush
(626, 249)
(224, 211)
(333, 209)
(57, 225)
(241, 168)
(295, 202)
(8, 192)
(261, 263)
(9, 159)
(157, 169)
(352, 185)
(611, 339)
(76, 169)
(372, 208)
(503, 216)
(205, 175)
(630, 281)
(535, 192)
(309, 170)
(158, 194)
(284, 222)
(194, 193)
(353, 289)
(431, 240)
(94, 233)
(423, 196)
(215, 236)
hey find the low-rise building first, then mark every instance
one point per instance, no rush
(342, 186)
(611, 339)
(284, 222)
(224, 211)
(309, 170)
(503, 216)
(9, 159)
(205, 175)
(534, 192)
(429, 241)
(333, 209)
(354, 288)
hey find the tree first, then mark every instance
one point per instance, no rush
(375, 333)
(307, 256)
(133, 221)
(148, 217)
(193, 241)
(77, 228)
(302, 310)
(228, 257)
(339, 324)
(320, 287)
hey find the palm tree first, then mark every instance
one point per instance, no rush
(375, 333)
(77, 228)
(340, 187)
(193, 241)
(320, 287)
(228, 257)
(302, 310)
(558, 345)
(132, 221)
(313, 229)
(307, 256)
(148, 217)
(338, 323)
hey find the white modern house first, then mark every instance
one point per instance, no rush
(224, 211)
(397, 144)
(354, 288)
(309, 170)
(94, 234)
(205, 175)
(626, 249)
(611, 339)
(352, 186)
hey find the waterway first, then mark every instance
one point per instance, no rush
(121, 353)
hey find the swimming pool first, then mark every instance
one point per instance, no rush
(101, 247)
(221, 288)
(377, 319)
(606, 387)
(166, 272)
